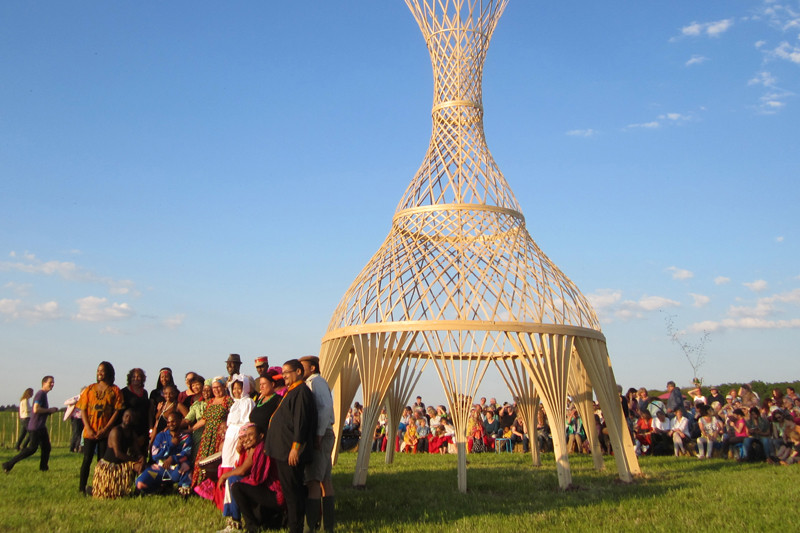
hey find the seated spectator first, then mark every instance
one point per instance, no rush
(439, 440)
(379, 438)
(710, 433)
(423, 433)
(434, 419)
(737, 432)
(491, 429)
(575, 432)
(475, 433)
(679, 431)
(642, 433)
(782, 426)
(601, 430)
(748, 397)
(519, 433)
(660, 436)
(758, 430)
(257, 494)
(171, 451)
(409, 444)
(790, 453)
(114, 473)
(544, 440)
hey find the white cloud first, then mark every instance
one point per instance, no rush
(66, 270)
(700, 300)
(711, 29)
(759, 44)
(46, 311)
(779, 238)
(763, 78)
(647, 125)
(756, 316)
(9, 307)
(757, 285)
(604, 298)
(715, 29)
(22, 289)
(651, 303)
(788, 52)
(16, 310)
(696, 60)
(675, 117)
(582, 133)
(721, 280)
(174, 322)
(609, 304)
(745, 323)
(680, 273)
(95, 309)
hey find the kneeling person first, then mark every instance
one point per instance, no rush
(171, 454)
(114, 473)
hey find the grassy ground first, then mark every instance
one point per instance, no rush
(419, 493)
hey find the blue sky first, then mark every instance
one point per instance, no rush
(185, 180)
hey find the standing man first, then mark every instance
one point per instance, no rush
(318, 473)
(37, 428)
(675, 400)
(232, 365)
(290, 440)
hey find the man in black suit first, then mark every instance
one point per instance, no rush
(290, 440)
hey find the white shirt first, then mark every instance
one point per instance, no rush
(324, 400)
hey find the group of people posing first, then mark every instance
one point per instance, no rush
(260, 449)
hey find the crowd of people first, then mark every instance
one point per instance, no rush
(258, 448)
(739, 426)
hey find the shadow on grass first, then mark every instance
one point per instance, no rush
(422, 490)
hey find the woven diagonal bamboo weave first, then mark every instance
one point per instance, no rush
(459, 279)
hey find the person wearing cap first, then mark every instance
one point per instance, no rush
(262, 365)
(715, 396)
(318, 473)
(232, 364)
(290, 440)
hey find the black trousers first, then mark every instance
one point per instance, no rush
(294, 492)
(77, 430)
(39, 437)
(258, 505)
(89, 447)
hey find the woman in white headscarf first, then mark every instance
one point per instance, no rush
(239, 415)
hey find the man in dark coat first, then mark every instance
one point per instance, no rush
(290, 440)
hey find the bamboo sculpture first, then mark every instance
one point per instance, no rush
(460, 281)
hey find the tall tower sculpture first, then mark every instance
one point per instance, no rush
(459, 280)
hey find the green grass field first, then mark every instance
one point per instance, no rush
(419, 493)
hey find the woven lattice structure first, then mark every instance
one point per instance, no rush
(459, 280)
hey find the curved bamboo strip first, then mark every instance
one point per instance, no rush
(580, 387)
(398, 396)
(524, 392)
